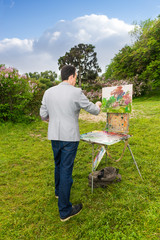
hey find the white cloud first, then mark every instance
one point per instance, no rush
(55, 36)
(15, 44)
(107, 35)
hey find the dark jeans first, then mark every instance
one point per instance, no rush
(64, 155)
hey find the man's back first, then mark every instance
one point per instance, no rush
(63, 103)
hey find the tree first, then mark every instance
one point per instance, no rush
(34, 75)
(45, 75)
(142, 59)
(84, 59)
(44, 80)
(49, 75)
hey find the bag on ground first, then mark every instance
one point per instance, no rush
(104, 177)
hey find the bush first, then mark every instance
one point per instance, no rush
(15, 94)
(139, 87)
(38, 88)
(94, 91)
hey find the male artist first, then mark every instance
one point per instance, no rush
(61, 105)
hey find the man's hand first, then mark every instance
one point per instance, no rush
(98, 104)
(45, 119)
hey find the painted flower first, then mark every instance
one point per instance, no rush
(127, 99)
(116, 104)
(117, 92)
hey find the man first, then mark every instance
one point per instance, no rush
(61, 105)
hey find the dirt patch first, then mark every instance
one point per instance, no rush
(101, 117)
(92, 118)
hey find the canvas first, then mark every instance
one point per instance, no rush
(117, 99)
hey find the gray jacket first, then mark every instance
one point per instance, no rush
(62, 104)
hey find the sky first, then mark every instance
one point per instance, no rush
(35, 33)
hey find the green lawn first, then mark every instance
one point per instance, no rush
(126, 210)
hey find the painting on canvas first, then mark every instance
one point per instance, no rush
(99, 157)
(117, 99)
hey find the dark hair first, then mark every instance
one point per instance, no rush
(66, 71)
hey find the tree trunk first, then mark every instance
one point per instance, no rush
(79, 79)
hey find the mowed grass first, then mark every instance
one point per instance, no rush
(125, 210)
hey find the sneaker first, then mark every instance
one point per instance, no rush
(56, 196)
(75, 210)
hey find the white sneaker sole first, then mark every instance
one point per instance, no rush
(66, 219)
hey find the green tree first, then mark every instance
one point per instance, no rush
(49, 75)
(44, 80)
(43, 75)
(142, 59)
(84, 58)
(34, 75)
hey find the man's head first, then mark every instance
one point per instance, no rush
(68, 73)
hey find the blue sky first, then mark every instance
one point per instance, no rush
(35, 33)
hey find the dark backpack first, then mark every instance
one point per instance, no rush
(104, 177)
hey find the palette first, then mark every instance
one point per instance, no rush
(103, 137)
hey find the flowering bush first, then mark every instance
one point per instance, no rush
(15, 94)
(94, 91)
(93, 95)
(139, 87)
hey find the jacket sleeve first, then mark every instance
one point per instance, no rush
(43, 109)
(87, 105)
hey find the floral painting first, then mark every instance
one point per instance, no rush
(117, 99)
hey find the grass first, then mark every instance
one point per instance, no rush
(126, 210)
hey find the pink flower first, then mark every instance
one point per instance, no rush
(6, 75)
(10, 69)
(3, 68)
(24, 76)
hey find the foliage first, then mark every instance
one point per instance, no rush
(15, 94)
(44, 80)
(40, 82)
(84, 59)
(142, 59)
(43, 75)
(139, 87)
(94, 91)
(21, 95)
(93, 95)
(128, 210)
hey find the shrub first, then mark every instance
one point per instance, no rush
(38, 88)
(139, 87)
(94, 91)
(15, 94)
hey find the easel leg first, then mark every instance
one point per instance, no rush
(134, 161)
(106, 154)
(92, 164)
